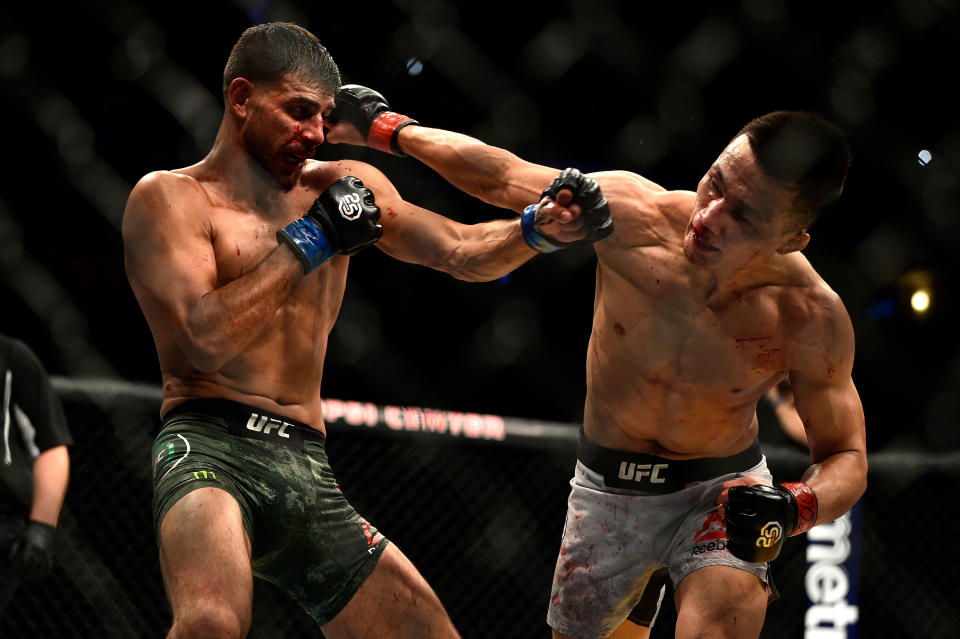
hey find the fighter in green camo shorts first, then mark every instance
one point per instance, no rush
(239, 263)
(305, 537)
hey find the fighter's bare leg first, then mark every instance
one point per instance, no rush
(205, 559)
(720, 602)
(395, 601)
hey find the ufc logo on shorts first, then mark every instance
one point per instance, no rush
(630, 470)
(350, 206)
(264, 424)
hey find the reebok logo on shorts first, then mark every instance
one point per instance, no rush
(711, 546)
(713, 528)
(711, 536)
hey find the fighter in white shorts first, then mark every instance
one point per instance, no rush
(703, 303)
(629, 515)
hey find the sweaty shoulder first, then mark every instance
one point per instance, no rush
(817, 320)
(643, 212)
(164, 196)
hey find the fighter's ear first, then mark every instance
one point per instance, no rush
(797, 242)
(238, 94)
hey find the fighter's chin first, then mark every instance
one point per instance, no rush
(287, 179)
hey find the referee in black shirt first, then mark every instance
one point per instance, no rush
(34, 467)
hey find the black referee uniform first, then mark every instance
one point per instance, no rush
(31, 421)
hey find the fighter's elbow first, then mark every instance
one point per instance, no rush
(856, 478)
(205, 362)
(207, 355)
(862, 477)
(465, 265)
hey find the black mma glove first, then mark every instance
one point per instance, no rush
(594, 213)
(31, 555)
(370, 113)
(342, 220)
(760, 517)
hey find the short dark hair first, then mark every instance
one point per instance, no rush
(268, 52)
(805, 150)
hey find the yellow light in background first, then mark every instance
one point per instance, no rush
(917, 286)
(920, 301)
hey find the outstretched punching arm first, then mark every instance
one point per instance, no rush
(496, 176)
(488, 250)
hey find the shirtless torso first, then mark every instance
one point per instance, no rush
(201, 243)
(235, 316)
(676, 363)
(281, 368)
(702, 303)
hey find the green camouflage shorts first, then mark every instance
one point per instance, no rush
(305, 537)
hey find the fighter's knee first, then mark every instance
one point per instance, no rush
(734, 622)
(208, 620)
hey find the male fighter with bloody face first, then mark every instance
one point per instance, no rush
(703, 302)
(239, 263)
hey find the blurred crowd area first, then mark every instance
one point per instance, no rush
(97, 93)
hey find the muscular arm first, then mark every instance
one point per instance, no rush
(828, 403)
(473, 252)
(51, 474)
(489, 173)
(170, 262)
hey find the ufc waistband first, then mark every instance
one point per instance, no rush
(251, 422)
(654, 474)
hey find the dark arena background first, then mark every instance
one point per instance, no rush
(95, 94)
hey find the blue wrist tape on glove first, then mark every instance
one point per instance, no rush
(307, 242)
(536, 241)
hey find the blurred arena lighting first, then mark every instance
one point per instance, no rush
(454, 54)
(642, 142)
(414, 66)
(552, 52)
(512, 333)
(56, 116)
(940, 195)
(49, 302)
(882, 255)
(917, 286)
(140, 57)
(709, 48)
(882, 309)
(924, 157)
(920, 301)
(943, 412)
(14, 54)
